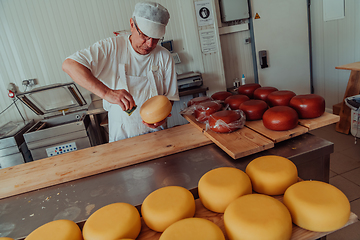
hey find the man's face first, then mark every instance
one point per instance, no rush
(141, 43)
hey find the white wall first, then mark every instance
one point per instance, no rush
(334, 43)
(37, 35)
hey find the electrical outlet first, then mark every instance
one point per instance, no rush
(29, 82)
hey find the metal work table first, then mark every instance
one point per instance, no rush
(77, 200)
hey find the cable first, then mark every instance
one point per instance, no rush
(19, 111)
(9, 106)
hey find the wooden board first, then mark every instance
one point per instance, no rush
(324, 120)
(90, 161)
(351, 66)
(275, 136)
(217, 218)
(240, 143)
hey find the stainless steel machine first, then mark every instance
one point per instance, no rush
(65, 127)
(13, 149)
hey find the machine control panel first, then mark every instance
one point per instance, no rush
(60, 149)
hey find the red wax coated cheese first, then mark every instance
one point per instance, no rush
(198, 100)
(205, 109)
(280, 98)
(254, 109)
(263, 92)
(280, 118)
(221, 95)
(234, 101)
(248, 89)
(308, 105)
(222, 121)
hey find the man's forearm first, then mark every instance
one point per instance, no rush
(83, 76)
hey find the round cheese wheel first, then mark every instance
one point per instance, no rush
(308, 105)
(280, 98)
(234, 101)
(113, 221)
(280, 118)
(219, 187)
(254, 109)
(205, 109)
(6, 238)
(248, 89)
(167, 205)
(257, 216)
(222, 95)
(317, 206)
(263, 92)
(271, 175)
(193, 229)
(224, 121)
(57, 230)
(155, 109)
(198, 100)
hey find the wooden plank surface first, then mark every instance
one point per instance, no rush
(217, 218)
(324, 120)
(351, 66)
(240, 143)
(90, 161)
(276, 136)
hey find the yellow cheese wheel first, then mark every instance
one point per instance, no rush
(193, 229)
(219, 187)
(317, 206)
(271, 175)
(113, 221)
(257, 216)
(56, 230)
(166, 205)
(6, 238)
(155, 109)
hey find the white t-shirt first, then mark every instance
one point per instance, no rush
(108, 57)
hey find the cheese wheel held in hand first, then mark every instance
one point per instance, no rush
(155, 109)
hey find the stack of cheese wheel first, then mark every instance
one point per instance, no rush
(257, 216)
(317, 206)
(280, 118)
(193, 229)
(280, 98)
(205, 109)
(234, 101)
(221, 96)
(113, 221)
(198, 100)
(219, 187)
(155, 109)
(166, 206)
(254, 109)
(248, 89)
(56, 230)
(271, 175)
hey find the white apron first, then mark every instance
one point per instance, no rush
(121, 125)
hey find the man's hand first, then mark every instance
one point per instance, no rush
(155, 125)
(121, 97)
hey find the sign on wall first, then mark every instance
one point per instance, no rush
(204, 13)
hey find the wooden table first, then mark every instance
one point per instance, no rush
(353, 88)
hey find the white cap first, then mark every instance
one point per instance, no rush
(151, 18)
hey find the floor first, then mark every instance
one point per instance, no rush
(344, 174)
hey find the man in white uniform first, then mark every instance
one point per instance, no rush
(128, 70)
